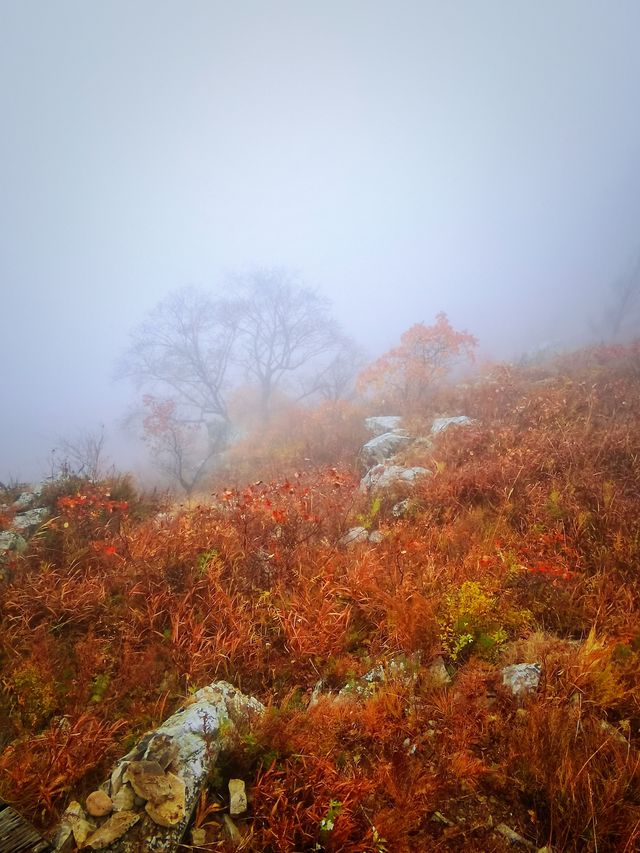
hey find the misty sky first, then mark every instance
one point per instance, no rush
(481, 158)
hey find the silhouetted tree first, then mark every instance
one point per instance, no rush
(196, 348)
(622, 314)
(284, 328)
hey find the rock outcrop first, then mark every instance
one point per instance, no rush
(383, 447)
(148, 801)
(379, 424)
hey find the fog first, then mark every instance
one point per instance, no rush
(480, 158)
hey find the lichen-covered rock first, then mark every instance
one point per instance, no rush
(383, 447)
(522, 678)
(24, 500)
(400, 509)
(168, 768)
(30, 518)
(11, 541)
(437, 674)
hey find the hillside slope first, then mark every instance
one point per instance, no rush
(521, 547)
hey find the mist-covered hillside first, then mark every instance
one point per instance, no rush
(448, 658)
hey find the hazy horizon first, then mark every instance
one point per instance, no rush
(405, 159)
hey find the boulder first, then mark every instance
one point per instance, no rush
(30, 518)
(382, 477)
(379, 424)
(382, 447)
(24, 501)
(440, 424)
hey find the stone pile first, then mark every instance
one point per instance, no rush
(147, 802)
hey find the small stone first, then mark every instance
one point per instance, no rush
(116, 782)
(114, 828)
(148, 780)
(172, 809)
(400, 509)
(74, 822)
(237, 797)
(198, 837)
(99, 804)
(124, 800)
(512, 836)
(354, 536)
(10, 541)
(437, 675)
(522, 678)
(375, 537)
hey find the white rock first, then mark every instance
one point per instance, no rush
(30, 518)
(24, 500)
(383, 423)
(385, 476)
(440, 424)
(10, 541)
(383, 446)
(353, 536)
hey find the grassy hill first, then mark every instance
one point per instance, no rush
(522, 546)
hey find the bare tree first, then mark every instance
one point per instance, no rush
(621, 316)
(83, 455)
(283, 328)
(335, 378)
(182, 450)
(195, 346)
(184, 351)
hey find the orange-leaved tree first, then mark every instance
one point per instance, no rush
(407, 374)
